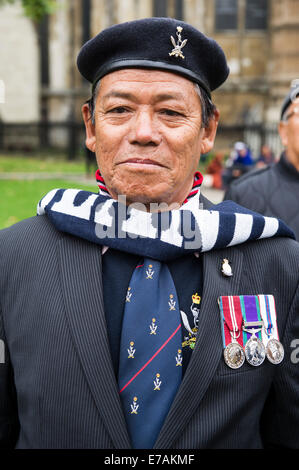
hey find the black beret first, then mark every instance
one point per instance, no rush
(155, 43)
(291, 96)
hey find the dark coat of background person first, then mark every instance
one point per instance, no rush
(271, 191)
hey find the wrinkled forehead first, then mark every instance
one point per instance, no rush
(148, 84)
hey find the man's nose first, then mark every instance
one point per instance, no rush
(144, 129)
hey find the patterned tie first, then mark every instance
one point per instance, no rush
(150, 366)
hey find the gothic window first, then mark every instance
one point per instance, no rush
(172, 8)
(160, 8)
(86, 11)
(226, 15)
(179, 9)
(256, 14)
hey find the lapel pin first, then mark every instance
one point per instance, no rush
(226, 268)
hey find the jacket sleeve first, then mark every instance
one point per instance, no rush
(9, 425)
(280, 421)
(231, 194)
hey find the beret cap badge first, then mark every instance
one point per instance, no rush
(177, 47)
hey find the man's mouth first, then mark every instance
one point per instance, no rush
(142, 161)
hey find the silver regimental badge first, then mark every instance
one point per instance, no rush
(274, 351)
(255, 352)
(177, 47)
(234, 355)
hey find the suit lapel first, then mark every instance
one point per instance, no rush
(81, 277)
(208, 350)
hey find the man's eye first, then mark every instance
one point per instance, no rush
(170, 112)
(118, 110)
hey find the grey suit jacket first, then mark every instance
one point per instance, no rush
(57, 384)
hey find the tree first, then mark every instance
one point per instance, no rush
(35, 9)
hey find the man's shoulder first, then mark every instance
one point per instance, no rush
(34, 230)
(272, 243)
(252, 189)
(270, 265)
(276, 252)
(257, 175)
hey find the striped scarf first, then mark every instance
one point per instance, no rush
(158, 235)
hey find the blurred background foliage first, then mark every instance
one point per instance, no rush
(35, 9)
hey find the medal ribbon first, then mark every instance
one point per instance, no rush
(268, 314)
(251, 313)
(231, 315)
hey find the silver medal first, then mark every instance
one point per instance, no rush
(255, 352)
(274, 351)
(234, 355)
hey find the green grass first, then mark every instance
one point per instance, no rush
(18, 199)
(48, 164)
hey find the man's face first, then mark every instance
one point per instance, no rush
(289, 133)
(148, 135)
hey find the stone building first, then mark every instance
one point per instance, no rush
(42, 85)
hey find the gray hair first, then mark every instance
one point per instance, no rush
(284, 116)
(207, 107)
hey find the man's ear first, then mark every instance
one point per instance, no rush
(90, 139)
(282, 130)
(209, 133)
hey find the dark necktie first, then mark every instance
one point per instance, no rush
(150, 366)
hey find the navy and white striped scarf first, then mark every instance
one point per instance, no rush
(158, 235)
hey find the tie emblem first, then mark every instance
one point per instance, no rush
(190, 340)
(134, 406)
(171, 302)
(129, 295)
(131, 350)
(150, 272)
(153, 327)
(157, 382)
(179, 358)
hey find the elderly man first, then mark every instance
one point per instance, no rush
(144, 316)
(274, 190)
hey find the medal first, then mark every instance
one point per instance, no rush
(231, 321)
(255, 352)
(274, 348)
(274, 351)
(249, 330)
(234, 355)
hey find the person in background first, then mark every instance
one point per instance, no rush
(242, 156)
(274, 190)
(239, 162)
(213, 176)
(266, 157)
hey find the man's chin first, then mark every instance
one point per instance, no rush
(142, 195)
